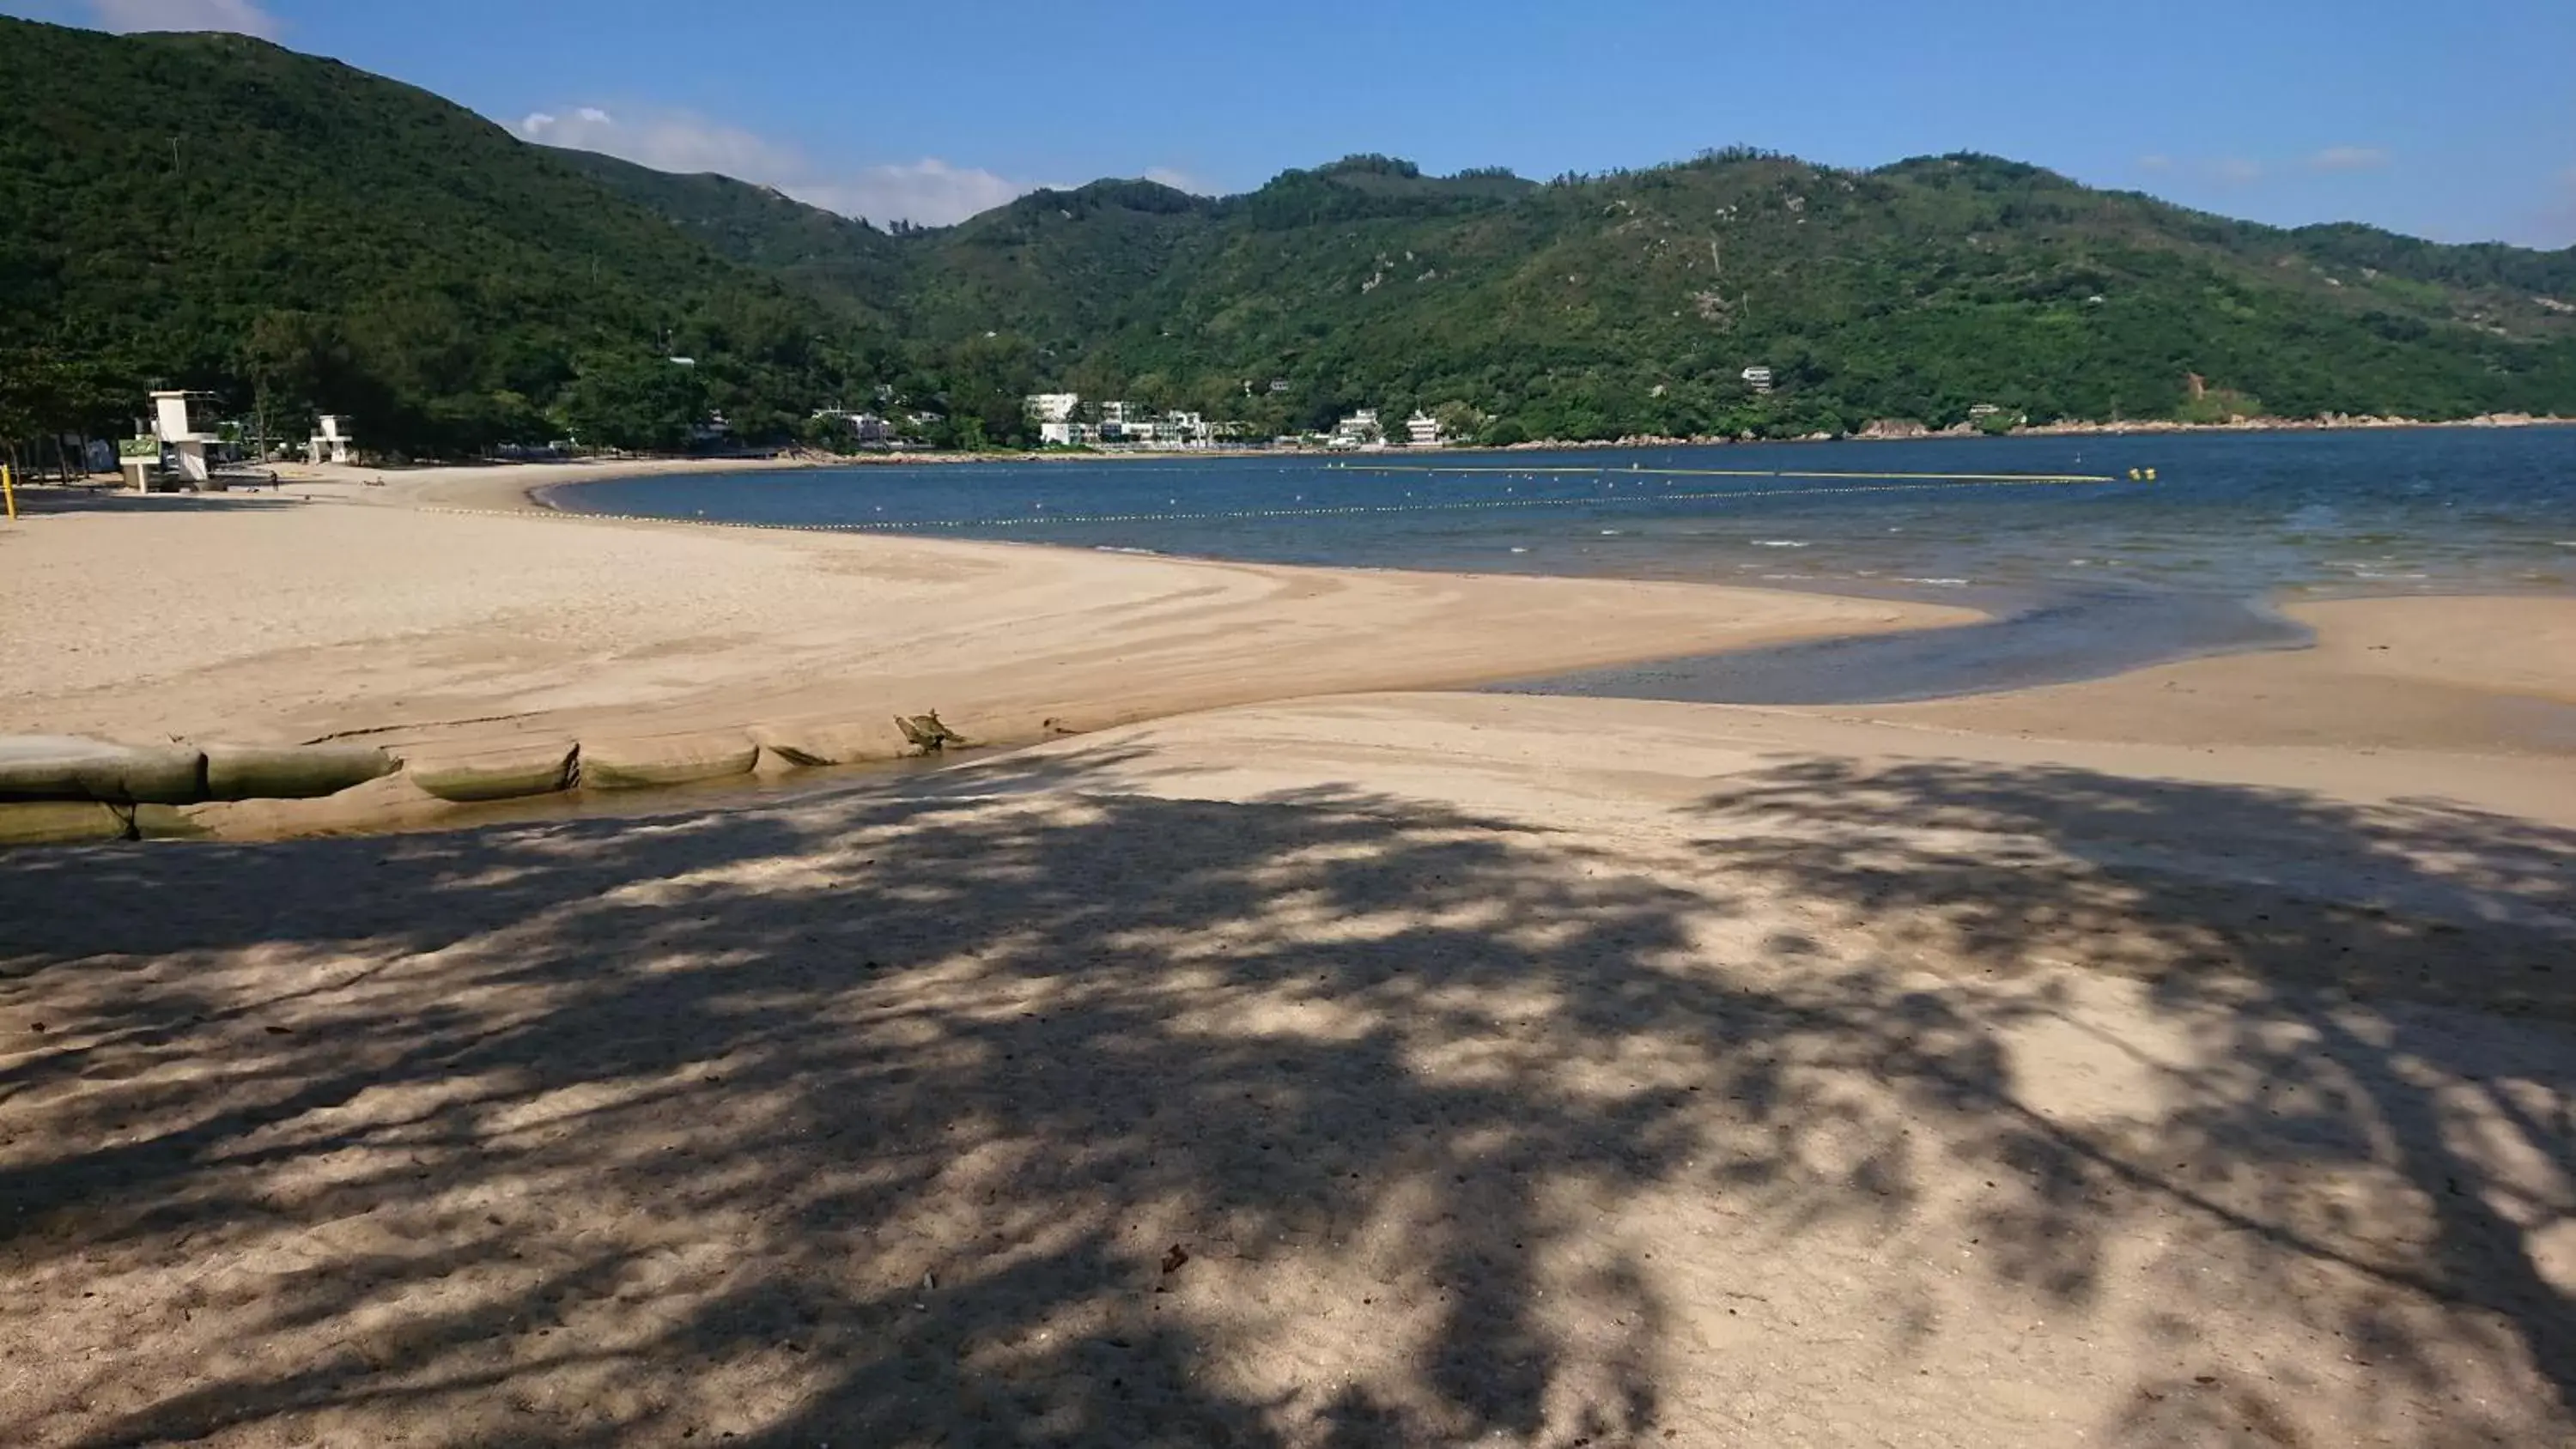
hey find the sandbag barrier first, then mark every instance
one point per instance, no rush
(501, 774)
(61, 789)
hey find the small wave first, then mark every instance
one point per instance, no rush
(1945, 583)
(1519, 550)
(1779, 543)
(1609, 533)
(1116, 548)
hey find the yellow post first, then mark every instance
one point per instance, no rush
(9, 490)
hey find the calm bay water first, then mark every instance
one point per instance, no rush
(2088, 579)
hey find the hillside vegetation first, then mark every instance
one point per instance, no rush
(212, 211)
(323, 239)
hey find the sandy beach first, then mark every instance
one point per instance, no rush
(1296, 1056)
(424, 611)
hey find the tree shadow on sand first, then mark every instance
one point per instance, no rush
(1034, 1115)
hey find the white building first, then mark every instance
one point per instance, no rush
(1422, 430)
(864, 427)
(1758, 378)
(1053, 413)
(1124, 422)
(1358, 430)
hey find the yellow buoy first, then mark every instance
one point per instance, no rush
(2151, 475)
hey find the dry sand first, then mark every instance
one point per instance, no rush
(1410, 1069)
(262, 618)
(1383, 1069)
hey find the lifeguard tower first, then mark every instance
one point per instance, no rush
(331, 443)
(187, 446)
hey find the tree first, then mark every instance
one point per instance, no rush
(644, 404)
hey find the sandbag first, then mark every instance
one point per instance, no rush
(68, 767)
(635, 764)
(833, 742)
(498, 774)
(59, 822)
(291, 772)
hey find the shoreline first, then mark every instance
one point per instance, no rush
(2018, 640)
(459, 612)
(472, 475)
(449, 613)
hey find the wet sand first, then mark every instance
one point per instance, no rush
(2490, 675)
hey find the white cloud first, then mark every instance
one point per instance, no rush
(240, 16)
(667, 142)
(2155, 163)
(930, 191)
(2237, 170)
(2348, 158)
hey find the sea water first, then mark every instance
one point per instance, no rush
(2084, 579)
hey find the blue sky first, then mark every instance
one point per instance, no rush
(2455, 121)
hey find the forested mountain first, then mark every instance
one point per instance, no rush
(327, 240)
(213, 211)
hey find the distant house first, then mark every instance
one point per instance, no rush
(864, 427)
(1758, 378)
(1125, 422)
(1358, 430)
(1422, 430)
(1984, 410)
(1053, 413)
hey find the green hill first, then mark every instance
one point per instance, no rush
(323, 239)
(818, 251)
(1632, 303)
(213, 211)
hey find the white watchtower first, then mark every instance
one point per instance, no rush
(170, 424)
(331, 443)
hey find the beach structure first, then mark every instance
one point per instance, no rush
(330, 441)
(185, 446)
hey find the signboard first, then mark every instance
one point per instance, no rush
(139, 448)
